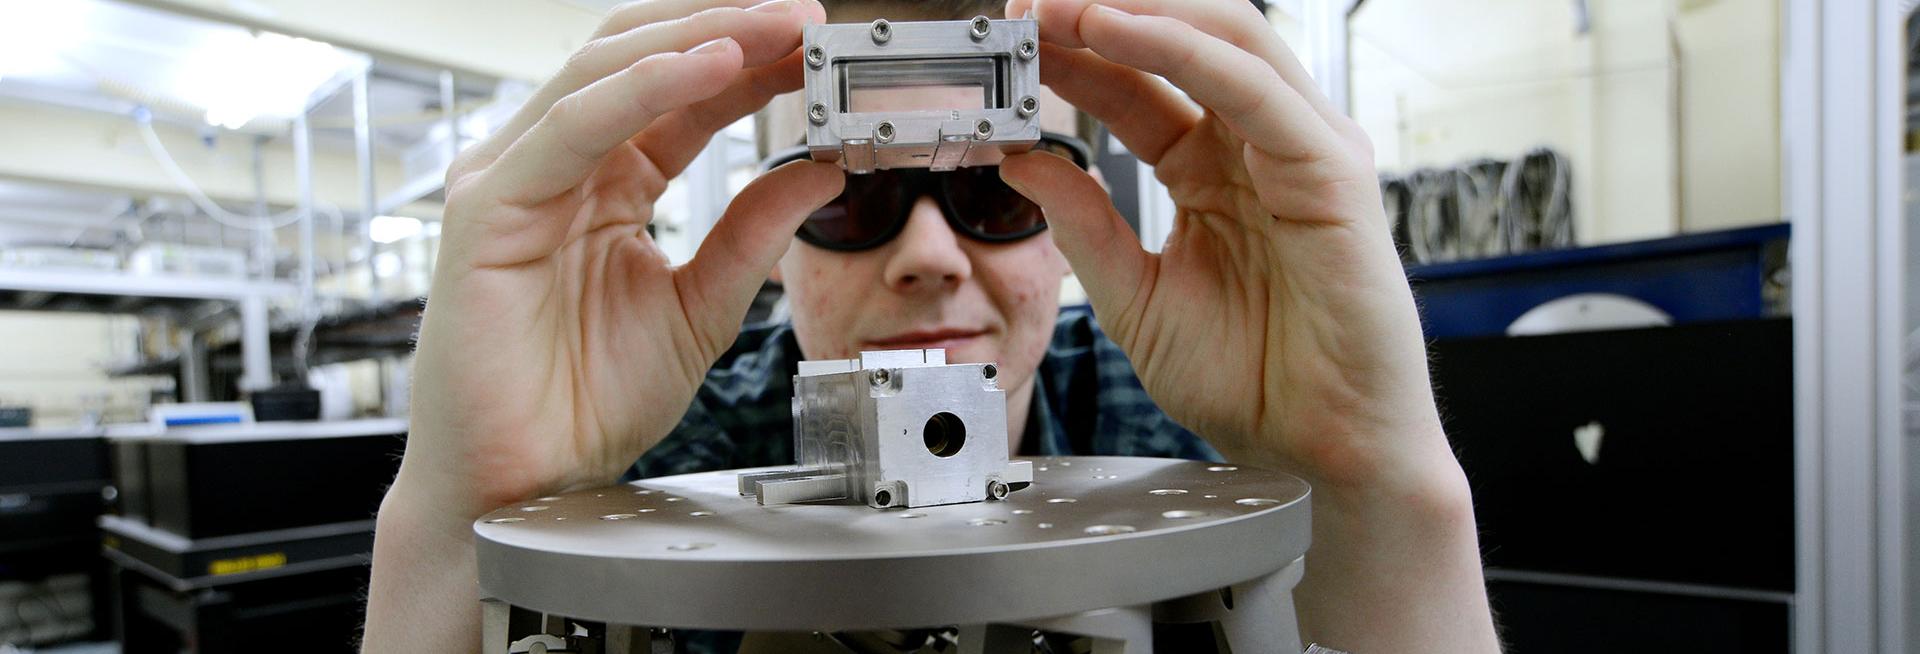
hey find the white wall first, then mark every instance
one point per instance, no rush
(54, 363)
(1667, 110)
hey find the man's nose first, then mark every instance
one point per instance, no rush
(927, 254)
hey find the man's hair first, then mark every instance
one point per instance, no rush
(860, 11)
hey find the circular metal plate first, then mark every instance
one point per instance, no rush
(1091, 532)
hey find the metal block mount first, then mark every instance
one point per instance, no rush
(901, 95)
(895, 429)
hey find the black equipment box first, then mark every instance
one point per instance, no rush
(219, 480)
(1647, 470)
(53, 486)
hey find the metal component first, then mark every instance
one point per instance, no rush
(983, 130)
(893, 429)
(855, 62)
(1029, 106)
(979, 27)
(842, 567)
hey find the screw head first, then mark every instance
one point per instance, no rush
(879, 376)
(989, 371)
(983, 130)
(817, 113)
(884, 132)
(816, 57)
(998, 490)
(882, 31)
(1027, 49)
(1028, 107)
(979, 28)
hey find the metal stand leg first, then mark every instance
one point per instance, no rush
(1261, 617)
(495, 625)
(1127, 630)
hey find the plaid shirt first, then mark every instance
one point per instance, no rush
(1086, 401)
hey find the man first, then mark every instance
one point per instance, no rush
(1276, 323)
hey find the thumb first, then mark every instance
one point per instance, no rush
(1102, 249)
(719, 283)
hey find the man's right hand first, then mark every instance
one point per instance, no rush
(559, 344)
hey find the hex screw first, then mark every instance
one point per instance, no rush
(879, 377)
(1027, 49)
(998, 490)
(1028, 106)
(882, 31)
(983, 130)
(884, 132)
(816, 57)
(817, 113)
(979, 28)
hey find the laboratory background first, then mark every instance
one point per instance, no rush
(1664, 253)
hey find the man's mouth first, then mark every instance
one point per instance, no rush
(925, 339)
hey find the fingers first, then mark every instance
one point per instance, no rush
(673, 141)
(768, 32)
(1140, 109)
(645, 12)
(748, 240)
(570, 141)
(1234, 21)
(1239, 88)
(1097, 241)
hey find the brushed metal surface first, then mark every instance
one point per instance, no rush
(1093, 532)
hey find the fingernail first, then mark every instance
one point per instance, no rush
(774, 7)
(714, 46)
(1110, 11)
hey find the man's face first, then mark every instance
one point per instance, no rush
(930, 287)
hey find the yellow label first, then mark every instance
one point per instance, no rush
(267, 561)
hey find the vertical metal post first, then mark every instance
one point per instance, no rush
(706, 191)
(1842, 185)
(256, 360)
(193, 369)
(1329, 50)
(450, 112)
(262, 235)
(370, 205)
(303, 180)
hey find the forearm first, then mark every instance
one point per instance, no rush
(1395, 562)
(424, 595)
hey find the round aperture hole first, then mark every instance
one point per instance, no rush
(945, 434)
(883, 497)
(1109, 530)
(1256, 501)
(502, 521)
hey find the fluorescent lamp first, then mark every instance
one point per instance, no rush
(388, 229)
(237, 76)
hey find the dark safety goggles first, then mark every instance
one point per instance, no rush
(874, 207)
